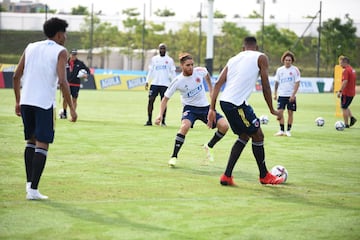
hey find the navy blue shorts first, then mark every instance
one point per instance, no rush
(282, 102)
(157, 90)
(38, 123)
(74, 91)
(346, 101)
(242, 119)
(198, 113)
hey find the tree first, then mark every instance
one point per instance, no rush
(229, 44)
(104, 35)
(337, 39)
(218, 14)
(79, 10)
(164, 13)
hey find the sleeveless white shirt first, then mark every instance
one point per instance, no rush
(243, 72)
(39, 80)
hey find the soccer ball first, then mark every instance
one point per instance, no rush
(280, 171)
(82, 73)
(320, 121)
(340, 126)
(264, 119)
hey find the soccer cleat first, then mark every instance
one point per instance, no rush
(172, 162)
(209, 152)
(227, 181)
(271, 179)
(27, 186)
(62, 115)
(34, 194)
(279, 133)
(163, 124)
(288, 133)
(352, 121)
(148, 123)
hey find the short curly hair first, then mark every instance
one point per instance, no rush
(53, 26)
(286, 54)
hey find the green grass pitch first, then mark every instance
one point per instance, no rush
(107, 176)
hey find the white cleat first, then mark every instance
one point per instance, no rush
(288, 133)
(280, 133)
(34, 194)
(172, 162)
(209, 153)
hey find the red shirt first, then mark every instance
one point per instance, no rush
(349, 74)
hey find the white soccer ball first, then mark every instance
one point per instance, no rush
(280, 171)
(82, 73)
(264, 119)
(340, 125)
(319, 121)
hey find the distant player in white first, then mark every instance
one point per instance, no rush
(287, 82)
(239, 77)
(161, 72)
(195, 103)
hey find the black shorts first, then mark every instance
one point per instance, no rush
(198, 113)
(345, 101)
(242, 119)
(283, 102)
(157, 90)
(74, 91)
(38, 123)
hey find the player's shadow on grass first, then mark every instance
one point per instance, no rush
(116, 220)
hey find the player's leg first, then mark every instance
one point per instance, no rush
(75, 95)
(237, 125)
(265, 177)
(291, 107)
(179, 140)
(152, 96)
(162, 92)
(44, 132)
(28, 118)
(281, 103)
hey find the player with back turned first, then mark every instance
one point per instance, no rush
(240, 75)
(41, 68)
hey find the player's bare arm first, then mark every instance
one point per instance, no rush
(263, 64)
(208, 81)
(16, 83)
(215, 92)
(163, 106)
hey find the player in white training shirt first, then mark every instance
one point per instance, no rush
(240, 75)
(287, 82)
(195, 105)
(161, 72)
(41, 68)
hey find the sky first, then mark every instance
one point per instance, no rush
(281, 9)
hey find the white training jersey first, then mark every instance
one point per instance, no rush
(242, 74)
(191, 88)
(39, 80)
(287, 77)
(161, 70)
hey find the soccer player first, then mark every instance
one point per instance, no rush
(287, 82)
(40, 69)
(161, 72)
(240, 75)
(347, 91)
(74, 65)
(195, 105)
